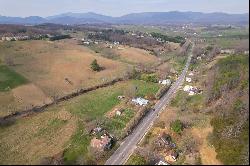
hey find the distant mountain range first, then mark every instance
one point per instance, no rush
(152, 18)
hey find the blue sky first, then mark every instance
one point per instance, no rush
(43, 8)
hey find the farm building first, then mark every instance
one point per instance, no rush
(165, 82)
(140, 101)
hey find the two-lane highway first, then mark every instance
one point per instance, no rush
(121, 155)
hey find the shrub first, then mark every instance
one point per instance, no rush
(95, 66)
(176, 126)
(149, 78)
(59, 37)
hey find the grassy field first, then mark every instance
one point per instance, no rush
(126, 54)
(47, 64)
(30, 139)
(104, 52)
(230, 38)
(227, 43)
(136, 159)
(62, 126)
(9, 79)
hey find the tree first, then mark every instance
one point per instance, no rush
(95, 66)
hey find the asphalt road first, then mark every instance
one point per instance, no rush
(121, 155)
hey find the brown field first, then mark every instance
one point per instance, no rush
(21, 98)
(30, 95)
(207, 152)
(136, 55)
(46, 64)
(32, 138)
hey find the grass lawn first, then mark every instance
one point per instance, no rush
(116, 124)
(9, 79)
(136, 159)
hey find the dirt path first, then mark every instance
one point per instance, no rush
(207, 152)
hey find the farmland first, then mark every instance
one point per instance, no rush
(79, 99)
(66, 122)
(48, 64)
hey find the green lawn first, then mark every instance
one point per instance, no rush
(116, 124)
(9, 79)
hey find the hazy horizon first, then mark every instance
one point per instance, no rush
(45, 8)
